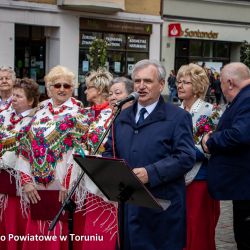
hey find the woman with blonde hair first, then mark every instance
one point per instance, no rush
(45, 155)
(100, 215)
(202, 210)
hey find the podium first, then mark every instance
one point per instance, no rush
(118, 183)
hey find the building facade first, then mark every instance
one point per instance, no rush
(39, 34)
(204, 31)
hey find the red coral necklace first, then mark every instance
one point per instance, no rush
(52, 111)
(13, 120)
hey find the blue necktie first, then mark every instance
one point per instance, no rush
(141, 117)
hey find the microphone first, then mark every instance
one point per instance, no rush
(132, 97)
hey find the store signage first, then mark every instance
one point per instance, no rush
(115, 41)
(174, 29)
(113, 26)
(88, 37)
(200, 34)
(137, 43)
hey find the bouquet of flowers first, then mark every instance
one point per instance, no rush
(205, 124)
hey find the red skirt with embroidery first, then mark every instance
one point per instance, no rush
(202, 217)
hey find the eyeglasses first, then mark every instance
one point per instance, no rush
(185, 83)
(59, 85)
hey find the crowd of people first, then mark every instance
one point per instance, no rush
(193, 156)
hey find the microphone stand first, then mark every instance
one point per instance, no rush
(68, 204)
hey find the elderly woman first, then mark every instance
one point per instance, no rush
(120, 88)
(7, 80)
(202, 210)
(100, 216)
(97, 92)
(12, 123)
(46, 151)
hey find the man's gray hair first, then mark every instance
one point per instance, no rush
(161, 71)
(129, 85)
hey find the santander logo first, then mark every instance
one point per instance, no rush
(174, 29)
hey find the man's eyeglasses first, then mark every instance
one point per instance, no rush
(185, 83)
(59, 85)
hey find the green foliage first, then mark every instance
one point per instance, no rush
(98, 54)
(245, 53)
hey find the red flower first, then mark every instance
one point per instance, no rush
(39, 161)
(68, 141)
(70, 123)
(34, 145)
(39, 133)
(94, 138)
(207, 128)
(36, 153)
(31, 160)
(84, 137)
(49, 158)
(63, 126)
(42, 151)
(44, 120)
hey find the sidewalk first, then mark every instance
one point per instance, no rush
(224, 230)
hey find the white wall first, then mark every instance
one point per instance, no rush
(227, 11)
(154, 49)
(7, 44)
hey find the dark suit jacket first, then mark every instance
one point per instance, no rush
(229, 165)
(164, 145)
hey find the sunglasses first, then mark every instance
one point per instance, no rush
(59, 85)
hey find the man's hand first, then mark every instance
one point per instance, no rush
(142, 174)
(204, 140)
(32, 193)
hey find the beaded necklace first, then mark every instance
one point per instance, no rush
(13, 120)
(53, 112)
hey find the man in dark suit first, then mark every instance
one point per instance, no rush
(155, 138)
(229, 165)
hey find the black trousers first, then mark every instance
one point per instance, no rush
(241, 224)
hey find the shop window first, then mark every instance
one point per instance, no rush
(207, 49)
(179, 62)
(195, 48)
(116, 62)
(124, 50)
(182, 47)
(30, 47)
(221, 49)
(132, 59)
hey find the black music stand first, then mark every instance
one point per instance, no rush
(118, 183)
